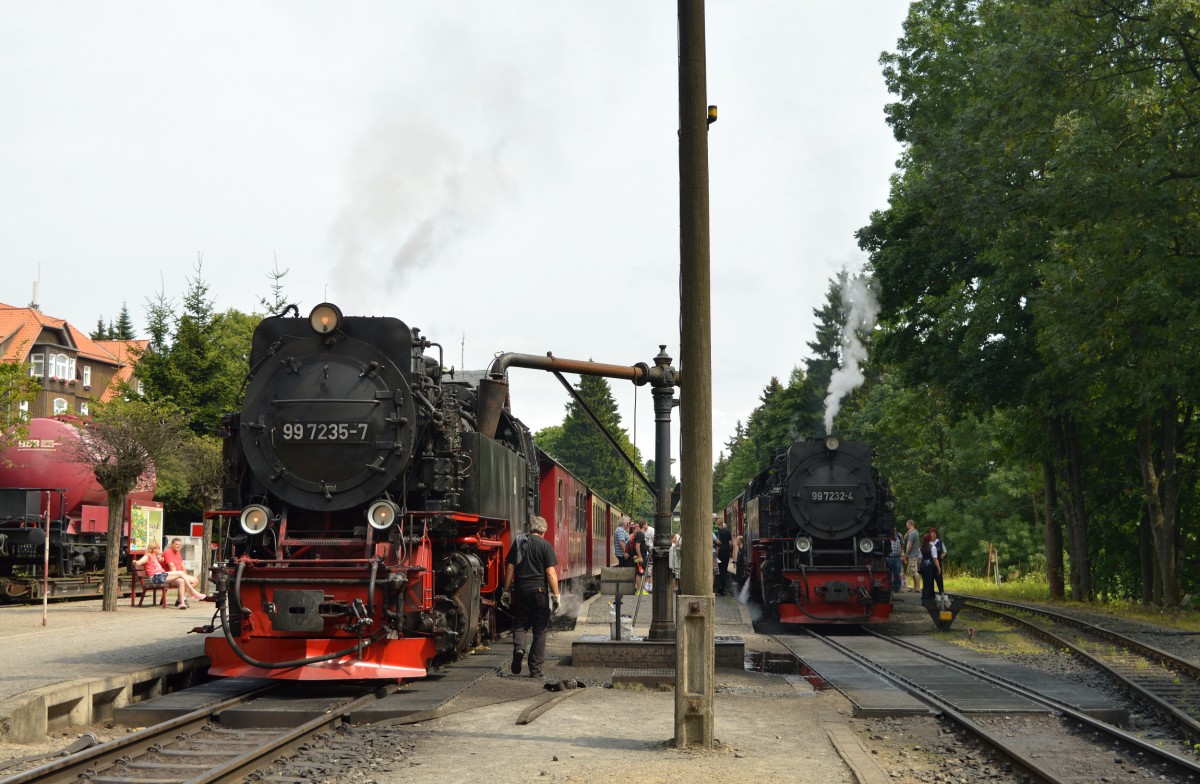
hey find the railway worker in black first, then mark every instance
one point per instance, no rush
(529, 573)
(929, 568)
(939, 555)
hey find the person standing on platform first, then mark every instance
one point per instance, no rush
(895, 561)
(912, 552)
(529, 574)
(639, 559)
(939, 555)
(675, 559)
(621, 544)
(929, 568)
(724, 551)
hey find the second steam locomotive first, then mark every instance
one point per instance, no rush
(371, 507)
(817, 523)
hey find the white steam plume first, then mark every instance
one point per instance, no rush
(862, 308)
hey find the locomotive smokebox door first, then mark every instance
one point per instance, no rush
(298, 611)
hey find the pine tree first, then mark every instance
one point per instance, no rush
(101, 331)
(124, 329)
(587, 453)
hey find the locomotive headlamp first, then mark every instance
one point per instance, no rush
(866, 545)
(325, 318)
(382, 514)
(832, 443)
(255, 519)
(803, 544)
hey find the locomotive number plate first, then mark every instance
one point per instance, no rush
(830, 494)
(324, 432)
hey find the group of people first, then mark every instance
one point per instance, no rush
(632, 544)
(168, 569)
(917, 554)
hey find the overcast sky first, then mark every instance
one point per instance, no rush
(503, 175)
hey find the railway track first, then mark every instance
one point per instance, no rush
(1167, 682)
(190, 749)
(1030, 754)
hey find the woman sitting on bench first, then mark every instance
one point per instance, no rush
(160, 576)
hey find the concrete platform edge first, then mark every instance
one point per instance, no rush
(79, 703)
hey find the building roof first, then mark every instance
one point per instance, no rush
(126, 352)
(20, 328)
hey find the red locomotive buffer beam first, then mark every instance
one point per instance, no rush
(836, 596)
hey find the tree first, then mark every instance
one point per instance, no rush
(587, 453)
(123, 441)
(17, 390)
(124, 328)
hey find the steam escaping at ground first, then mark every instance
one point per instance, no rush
(862, 309)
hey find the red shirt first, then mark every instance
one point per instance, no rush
(174, 560)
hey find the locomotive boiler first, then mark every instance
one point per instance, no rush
(49, 497)
(817, 523)
(368, 509)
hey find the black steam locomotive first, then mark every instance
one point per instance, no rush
(370, 500)
(816, 526)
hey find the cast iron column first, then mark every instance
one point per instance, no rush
(662, 621)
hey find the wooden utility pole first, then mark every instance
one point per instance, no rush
(695, 609)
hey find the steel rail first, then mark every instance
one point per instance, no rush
(1186, 722)
(137, 743)
(1165, 658)
(284, 744)
(1191, 765)
(929, 698)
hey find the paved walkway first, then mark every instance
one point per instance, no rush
(80, 641)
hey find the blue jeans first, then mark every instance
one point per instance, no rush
(895, 564)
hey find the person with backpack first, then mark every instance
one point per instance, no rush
(531, 588)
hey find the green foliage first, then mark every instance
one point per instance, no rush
(16, 387)
(1038, 258)
(196, 359)
(579, 446)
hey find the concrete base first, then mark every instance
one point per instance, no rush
(85, 702)
(595, 650)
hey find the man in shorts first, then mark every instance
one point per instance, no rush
(912, 553)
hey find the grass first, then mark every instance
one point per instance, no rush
(1031, 589)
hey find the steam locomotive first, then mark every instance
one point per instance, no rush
(369, 503)
(817, 523)
(47, 495)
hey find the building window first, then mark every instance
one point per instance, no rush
(87, 375)
(83, 407)
(60, 406)
(37, 365)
